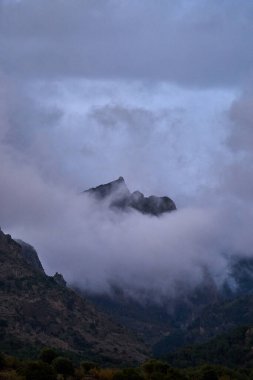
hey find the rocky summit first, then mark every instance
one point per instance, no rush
(119, 196)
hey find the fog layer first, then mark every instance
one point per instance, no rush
(157, 92)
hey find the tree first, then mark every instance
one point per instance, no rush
(128, 374)
(208, 373)
(63, 366)
(155, 366)
(39, 370)
(87, 366)
(47, 355)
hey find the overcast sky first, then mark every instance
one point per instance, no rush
(116, 87)
(156, 91)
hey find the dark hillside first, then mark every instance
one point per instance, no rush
(35, 310)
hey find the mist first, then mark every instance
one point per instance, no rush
(99, 108)
(96, 247)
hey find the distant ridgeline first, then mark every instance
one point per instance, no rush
(120, 197)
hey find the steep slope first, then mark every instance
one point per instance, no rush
(149, 321)
(120, 197)
(36, 311)
(188, 319)
(153, 321)
(30, 255)
(233, 349)
(212, 320)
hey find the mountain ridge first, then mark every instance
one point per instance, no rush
(121, 198)
(37, 311)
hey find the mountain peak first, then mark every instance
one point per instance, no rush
(121, 198)
(110, 189)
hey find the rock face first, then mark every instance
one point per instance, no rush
(118, 195)
(59, 279)
(30, 255)
(36, 311)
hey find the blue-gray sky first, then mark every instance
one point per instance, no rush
(156, 91)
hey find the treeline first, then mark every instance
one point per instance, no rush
(50, 366)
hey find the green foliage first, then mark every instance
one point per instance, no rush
(12, 362)
(102, 373)
(158, 370)
(38, 370)
(153, 366)
(171, 375)
(15, 369)
(128, 374)
(63, 366)
(87, 366)
(208, 373)
(10, 375)
(47, 355)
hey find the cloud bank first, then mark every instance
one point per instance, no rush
(96, 248)
(157, 92)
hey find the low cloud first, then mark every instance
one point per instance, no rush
(60, 135)
(95, 247)
(236, 175)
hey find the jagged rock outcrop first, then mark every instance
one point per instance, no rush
(30, 255)
(36, 311)
(120, 197)
(59, 279)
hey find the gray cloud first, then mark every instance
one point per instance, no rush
(199, 43)
(59, 135)
(237, 174)
(95, 247)
(90, 138)
(241, 116)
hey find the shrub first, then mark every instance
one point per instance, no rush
(155, 366)
(2, 361)
(39, 370)
(128, 374)
(47, 355)
(63, 366)
(103, 373)
(87, 366)
(10, 375)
